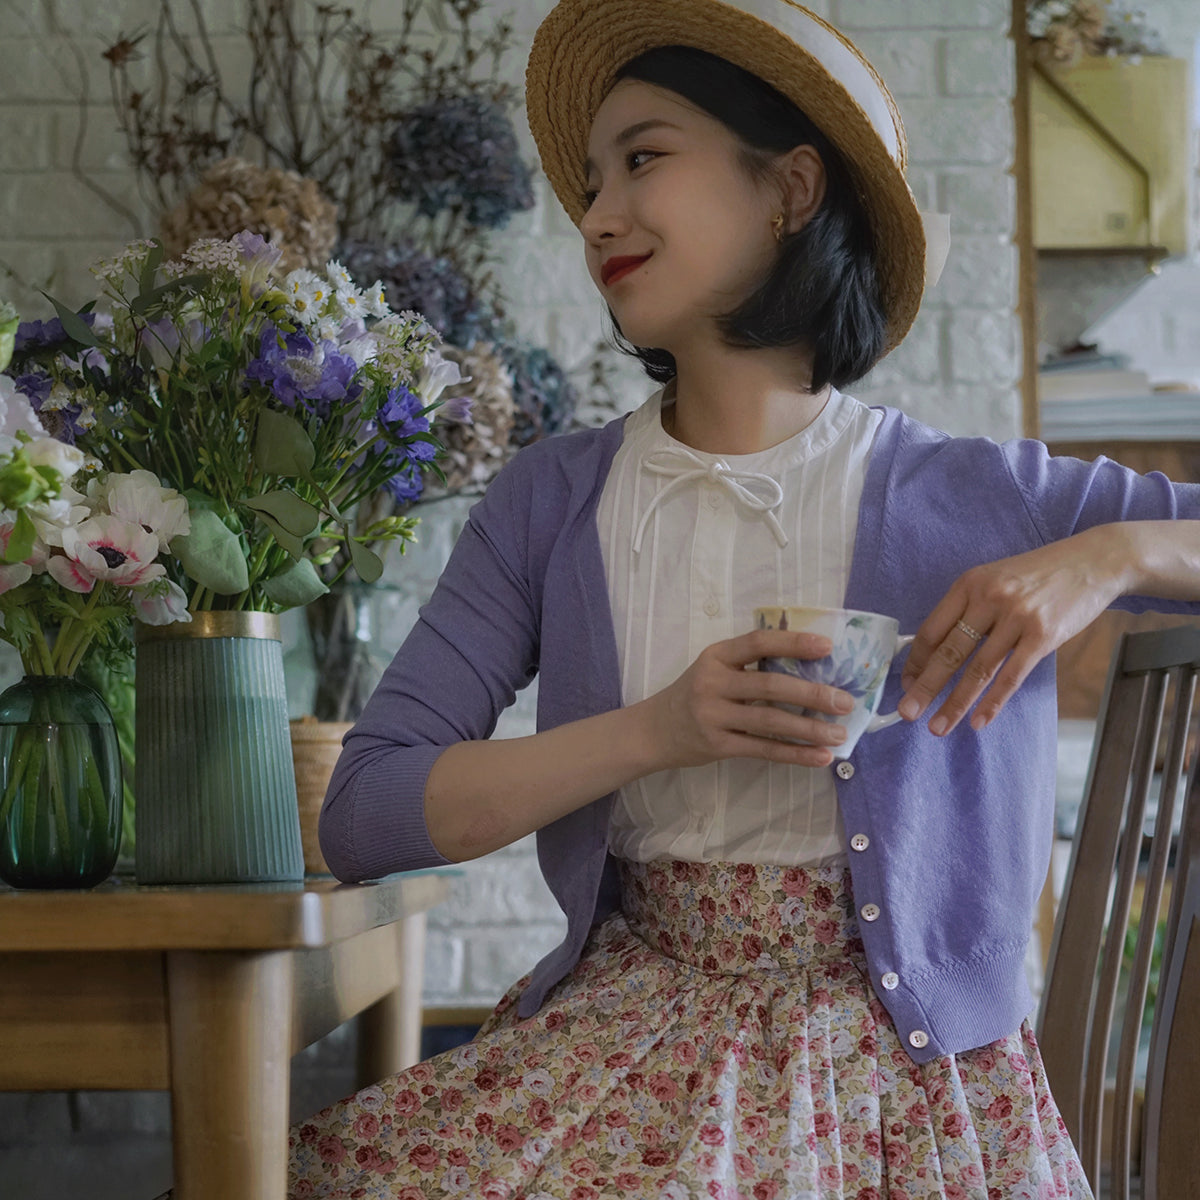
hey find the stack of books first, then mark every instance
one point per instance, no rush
(1096, 397)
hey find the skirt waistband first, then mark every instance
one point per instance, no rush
(734, 918)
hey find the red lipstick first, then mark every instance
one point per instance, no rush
(620, 266)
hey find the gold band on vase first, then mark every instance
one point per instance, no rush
(221, 624)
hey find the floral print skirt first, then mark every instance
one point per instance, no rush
(719, 1038)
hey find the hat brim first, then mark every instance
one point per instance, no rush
(582, 44)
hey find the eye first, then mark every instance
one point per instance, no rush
(631, 159)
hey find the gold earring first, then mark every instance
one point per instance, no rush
(777, 226)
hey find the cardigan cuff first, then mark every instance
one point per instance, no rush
(380, 832)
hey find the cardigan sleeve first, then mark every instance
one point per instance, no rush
(1064, 496)
(474, 645)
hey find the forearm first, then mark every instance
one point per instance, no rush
(1151, 558)
(482, 795)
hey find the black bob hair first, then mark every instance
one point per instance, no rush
(823, 291)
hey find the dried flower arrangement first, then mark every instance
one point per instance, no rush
(1063, 31)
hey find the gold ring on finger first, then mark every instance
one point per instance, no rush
(973, 634)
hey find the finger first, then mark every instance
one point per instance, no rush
(932, 633)
(771, 643)
(768, 721)
(956, 648)
(772, 750)
(978, 674)
(775, 687)
(1011, 676)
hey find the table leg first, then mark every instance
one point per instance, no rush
(389, 1032)
(230, 1018)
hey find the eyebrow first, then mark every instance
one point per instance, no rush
(627, 135)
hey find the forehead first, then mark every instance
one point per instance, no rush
(632, 102)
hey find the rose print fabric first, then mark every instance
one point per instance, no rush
(719, 1038)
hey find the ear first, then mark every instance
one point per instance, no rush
(804, 178)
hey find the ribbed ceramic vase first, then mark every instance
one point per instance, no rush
(216, 792)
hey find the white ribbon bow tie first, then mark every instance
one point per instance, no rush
(755, 492)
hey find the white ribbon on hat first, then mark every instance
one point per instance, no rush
(937, 245)
(754, 492)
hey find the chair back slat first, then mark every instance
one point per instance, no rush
(1152, 685)
(1130, 824)
(1172, 1158)
(1183, 682)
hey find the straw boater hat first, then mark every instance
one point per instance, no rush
(582, 44)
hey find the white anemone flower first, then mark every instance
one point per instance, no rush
(139, 498)
(106, 549)
(58, 456)
(160, 602)
(51, 517)
(16, 415)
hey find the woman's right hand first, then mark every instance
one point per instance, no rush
(718, 709)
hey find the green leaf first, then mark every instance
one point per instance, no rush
(20, 542)
(298, 585)
(73, 325)
(295, 515)
(285, 537)
(281, 446)
(142, 304)
(367, 563)
(150, 267)
(212, 555)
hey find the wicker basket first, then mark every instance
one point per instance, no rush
(315, 749)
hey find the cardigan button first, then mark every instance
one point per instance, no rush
(870, 912)
(891, 981)
(844, 770)
(859, 841)
(918, 1039)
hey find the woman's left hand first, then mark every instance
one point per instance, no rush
(1001, 619)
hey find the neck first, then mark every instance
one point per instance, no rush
(741, 402)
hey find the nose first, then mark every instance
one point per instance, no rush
(606, 217)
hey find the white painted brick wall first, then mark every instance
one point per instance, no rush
(949, 63)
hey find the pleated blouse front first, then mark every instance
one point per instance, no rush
(692, 543)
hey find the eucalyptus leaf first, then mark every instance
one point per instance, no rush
(285, 537)
(298, 585)
(295, 515)
(367, 563)
(148, 300)
(281, 447)
(212, 555)
(74, 326)
(150, 267)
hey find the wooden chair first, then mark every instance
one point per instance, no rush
(1151, 694)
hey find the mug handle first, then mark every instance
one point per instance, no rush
(883, 720)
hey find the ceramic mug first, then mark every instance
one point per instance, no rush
(864, 646)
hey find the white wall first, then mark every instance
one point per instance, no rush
(950, 64)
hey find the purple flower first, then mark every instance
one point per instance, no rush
(406, 485)
(299, 370)
(36, 385)
(456, 410)
(41, 335)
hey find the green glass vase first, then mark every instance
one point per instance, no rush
(215, 787)
(60, 785)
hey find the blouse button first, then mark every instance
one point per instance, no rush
(918, 1039)
(859, 841)
(844, 770)
(869, 912)
(712, 606)
(891, 981)
(714, 500)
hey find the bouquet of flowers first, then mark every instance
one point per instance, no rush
(75, 567)
(275, 405)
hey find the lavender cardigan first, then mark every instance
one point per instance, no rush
(959, 829)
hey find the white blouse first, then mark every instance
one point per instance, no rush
(692, 544)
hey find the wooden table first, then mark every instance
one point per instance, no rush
(208, 992)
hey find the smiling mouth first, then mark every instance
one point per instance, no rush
(618, 268)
